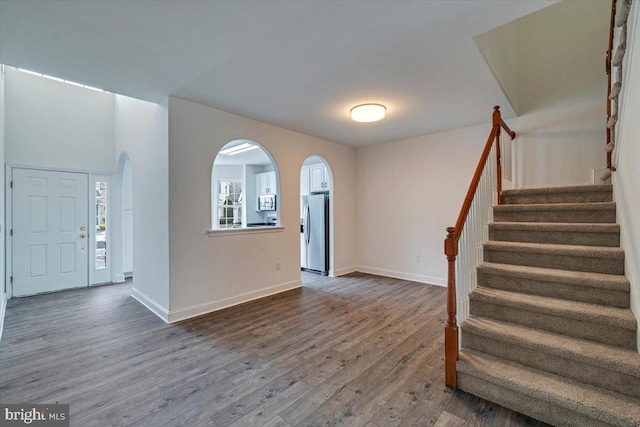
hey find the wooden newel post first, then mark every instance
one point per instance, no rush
(451, 329)
(497, 119)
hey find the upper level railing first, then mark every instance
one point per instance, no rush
(620, 8)
(469, 233)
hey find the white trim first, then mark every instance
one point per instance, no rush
(153, 306)
(246, 230)
(403, 275)
(47, 168)
(3, 311)
(632, 22)
(117, 235)
(630, 269)
(8, 238)
(200, 309)
(343, 271)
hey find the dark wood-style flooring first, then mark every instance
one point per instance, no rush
(358, 350)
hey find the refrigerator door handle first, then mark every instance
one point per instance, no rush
(308, 228)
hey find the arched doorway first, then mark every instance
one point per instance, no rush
(124, 238)
(316, 216)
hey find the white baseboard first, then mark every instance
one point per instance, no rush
(3, 311)
(403, 275)
(632, 271)
(119, 278)
(200, 309)
(343, 271)
(156, 308)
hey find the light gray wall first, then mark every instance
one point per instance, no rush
(52, 124)
(550, 65)
(3, 284)
(408, 192)
(561, 52)
(208, 273)
(141, 132)
(626, 156)
(500, 48)
(559, 146)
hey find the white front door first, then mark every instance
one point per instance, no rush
(50, 228)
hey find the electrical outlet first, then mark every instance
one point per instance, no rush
(277, 266)
(417, 257)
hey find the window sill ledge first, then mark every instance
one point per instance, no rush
(246, 230)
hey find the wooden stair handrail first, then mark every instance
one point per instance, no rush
(608, 60)
(451, 344)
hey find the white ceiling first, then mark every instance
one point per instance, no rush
(252, 157)
(297, 64)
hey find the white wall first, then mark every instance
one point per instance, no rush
(559, 146)
(127, 219)
(208, 273)
(500, 47)
(53, 124)
(626, 180)
(3, 292)
(141, 132)
(550, 65)
(408, 193)
(561, 54)
(420, 183)
(563, 90)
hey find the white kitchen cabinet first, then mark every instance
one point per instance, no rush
(318, 178)
(266, 183)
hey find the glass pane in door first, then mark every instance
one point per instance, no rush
(101, 225)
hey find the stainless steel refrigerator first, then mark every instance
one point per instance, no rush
(315, 233)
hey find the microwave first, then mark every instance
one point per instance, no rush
(267, 202)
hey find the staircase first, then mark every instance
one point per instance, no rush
(550, 333)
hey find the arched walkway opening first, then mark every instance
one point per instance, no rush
(316, 217)
(245, 187)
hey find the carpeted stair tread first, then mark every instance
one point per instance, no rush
(559, 212)
(558, 226)
(564, 233)
(595, 206)
(580, 350)
(580, 194)
(612, 316)
(615, 282)
(604, 188)
(571, 250)
(590, 401)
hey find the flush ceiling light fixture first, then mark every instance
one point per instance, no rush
(368, 113)
(238, 149)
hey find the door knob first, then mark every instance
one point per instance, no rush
(82, 236)
(83, 228)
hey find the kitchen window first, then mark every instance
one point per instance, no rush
(230, 203)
